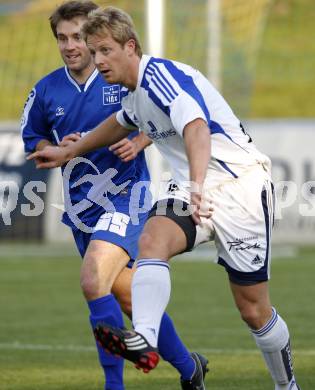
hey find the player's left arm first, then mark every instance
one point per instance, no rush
(128, 149)
(198, 148)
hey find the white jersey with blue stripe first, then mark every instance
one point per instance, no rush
(168, 96)
(57, 106)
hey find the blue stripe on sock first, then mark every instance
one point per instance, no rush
(270, 324)
(142, 263)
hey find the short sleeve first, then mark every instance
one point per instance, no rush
(34, 126)
(124, 120)
(176, 92)
(183, 110)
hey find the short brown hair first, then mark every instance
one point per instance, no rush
(116, 21)
(70, 10)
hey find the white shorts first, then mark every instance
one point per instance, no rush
(241, 224)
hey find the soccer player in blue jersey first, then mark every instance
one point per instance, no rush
(65, 105)
(183, 114)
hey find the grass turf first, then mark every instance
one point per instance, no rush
(46, 343)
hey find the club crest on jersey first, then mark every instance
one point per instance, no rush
(60, 111)
(111, 95)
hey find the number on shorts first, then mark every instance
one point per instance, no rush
(113, 222)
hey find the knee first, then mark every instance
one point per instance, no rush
(146, 243)
(253, 316)
(91, 284)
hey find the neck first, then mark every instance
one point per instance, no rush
(81, 76)
(131, 80)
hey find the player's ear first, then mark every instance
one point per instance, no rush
(130, 46)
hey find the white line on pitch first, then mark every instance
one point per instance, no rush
(45, 347)
(87, 348)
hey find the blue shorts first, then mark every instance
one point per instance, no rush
(117, 228)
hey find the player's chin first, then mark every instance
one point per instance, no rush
(110, 78)
(74, 66)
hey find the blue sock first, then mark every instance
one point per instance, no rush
(172, 349)
(106, 309)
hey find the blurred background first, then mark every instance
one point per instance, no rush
(261, 55)
(266, 49)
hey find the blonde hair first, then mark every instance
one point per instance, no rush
(114, 21)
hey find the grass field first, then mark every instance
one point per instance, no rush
(46, 344)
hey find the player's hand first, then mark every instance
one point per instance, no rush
(195, 203)
(201, 207)
(50, 157)
(70, 138)
(125, 149)
(38, 160)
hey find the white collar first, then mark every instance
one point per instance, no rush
(88, 82)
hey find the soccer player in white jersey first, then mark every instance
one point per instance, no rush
(212, 158)
(75, 98)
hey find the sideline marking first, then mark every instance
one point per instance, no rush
(86, 348)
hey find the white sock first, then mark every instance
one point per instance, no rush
(290, 386)
(150, 293)
(273, 339)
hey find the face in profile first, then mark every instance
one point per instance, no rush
(112, 59)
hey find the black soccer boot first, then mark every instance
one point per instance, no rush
(197, 380)
(127, 344)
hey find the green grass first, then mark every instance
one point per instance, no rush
(45, 340)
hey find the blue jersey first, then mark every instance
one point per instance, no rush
(58, 106)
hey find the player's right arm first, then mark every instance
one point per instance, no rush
(106, 133)
(34, 127)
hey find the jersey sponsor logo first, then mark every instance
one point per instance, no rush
(154, 134)
(153, 128)
(111, 95)
(60, 111)
(162, 134)
(27, 107)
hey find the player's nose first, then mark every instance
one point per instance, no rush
(70, 44)
(98, 59)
